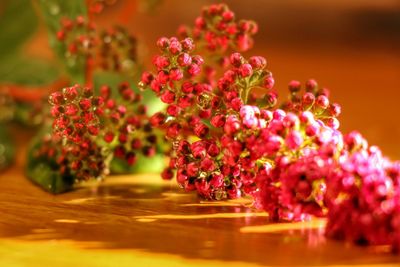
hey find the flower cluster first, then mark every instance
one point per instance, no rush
(117, 50)
(89, 130)
(113, 49)
(313, 99)
(216, 29)
(79, 37)
(217, 34)
(363, 196)
(204, 123)
(231, 136)
(300, 149)
(320, 172)
(301, 142)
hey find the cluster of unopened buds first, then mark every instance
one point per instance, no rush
(209, 114)
(217, 29)
(113, 49)
(217, 33)
(90, 129)
(117, 50)
(231, 137)
(78, 35)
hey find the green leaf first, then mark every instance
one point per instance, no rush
(24, 71)
(17, 23)
(44, 171)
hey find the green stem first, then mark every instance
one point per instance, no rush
(244, 93)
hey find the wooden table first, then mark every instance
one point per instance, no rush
(140, 221)
(143, 221)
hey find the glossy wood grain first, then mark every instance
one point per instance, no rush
(139, 220)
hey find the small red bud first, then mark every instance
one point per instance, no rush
(61, 35)
(236, 59)
(269, 82)
(85, 104)
(163, 43)
(157, 119)
(311, 86)
(131, 158)
(245, 70)
(322, 102)
(109, 137)
(167, 174)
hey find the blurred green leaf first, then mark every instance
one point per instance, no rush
(44, 171)
(17, 23)
(26, 71)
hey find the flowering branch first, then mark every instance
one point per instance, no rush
(229, 139)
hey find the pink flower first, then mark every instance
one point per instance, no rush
(245, 70)
(232, 124)
(294, 140)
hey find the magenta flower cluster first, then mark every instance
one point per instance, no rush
(230, 136)
(363, 195)
(203, 122)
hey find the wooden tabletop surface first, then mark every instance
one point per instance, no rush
(139, 220)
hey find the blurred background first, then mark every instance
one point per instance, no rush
(351, 47)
